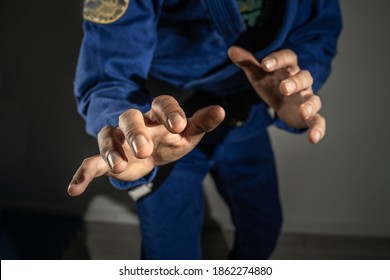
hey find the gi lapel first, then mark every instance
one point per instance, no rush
(225, 16)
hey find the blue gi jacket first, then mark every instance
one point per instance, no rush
(185, 44)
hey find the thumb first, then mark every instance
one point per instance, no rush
(247, 62)
(255, 74)
(204, 120)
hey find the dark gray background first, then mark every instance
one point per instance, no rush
(343, 185)
(340, 186)
(42, 136)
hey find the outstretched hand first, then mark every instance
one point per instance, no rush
(280, 82)
(164, 134)
(141, 142)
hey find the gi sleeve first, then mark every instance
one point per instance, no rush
(113, 65)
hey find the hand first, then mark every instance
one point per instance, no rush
(286, 88)
(141, 142)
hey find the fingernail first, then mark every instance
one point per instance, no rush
(138, 142)
(269, 62)
(316, 136)
(112, 157)
(290, 86)
(173, 119)
(309, 110)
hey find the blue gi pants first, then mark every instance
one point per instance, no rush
(243, 169)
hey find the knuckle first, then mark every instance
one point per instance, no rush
(86, 162)
(168, 103)
(314, 102)
(112, 139)
(132, 130)
(308, 76)
(299, 81)
(125, 116)
(105, 144)
(290, 55)
(162, 99)
(316, 99)
(306, 73)
(294, 57)
(129, 133)
(163, 106)
(104, 131)
(321, 122)
(133, 127)
(129, 122)
(303, 79)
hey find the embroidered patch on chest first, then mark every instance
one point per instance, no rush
(104, 11)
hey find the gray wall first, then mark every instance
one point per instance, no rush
(340, 186)
(343, 185)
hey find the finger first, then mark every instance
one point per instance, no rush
(302, 80)
(247, 62)
(166, 110)
(91, 168)
(204, 120)
(310, 107)
(317, 127)
(110, 140)
(132, 125)
(281, 59)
